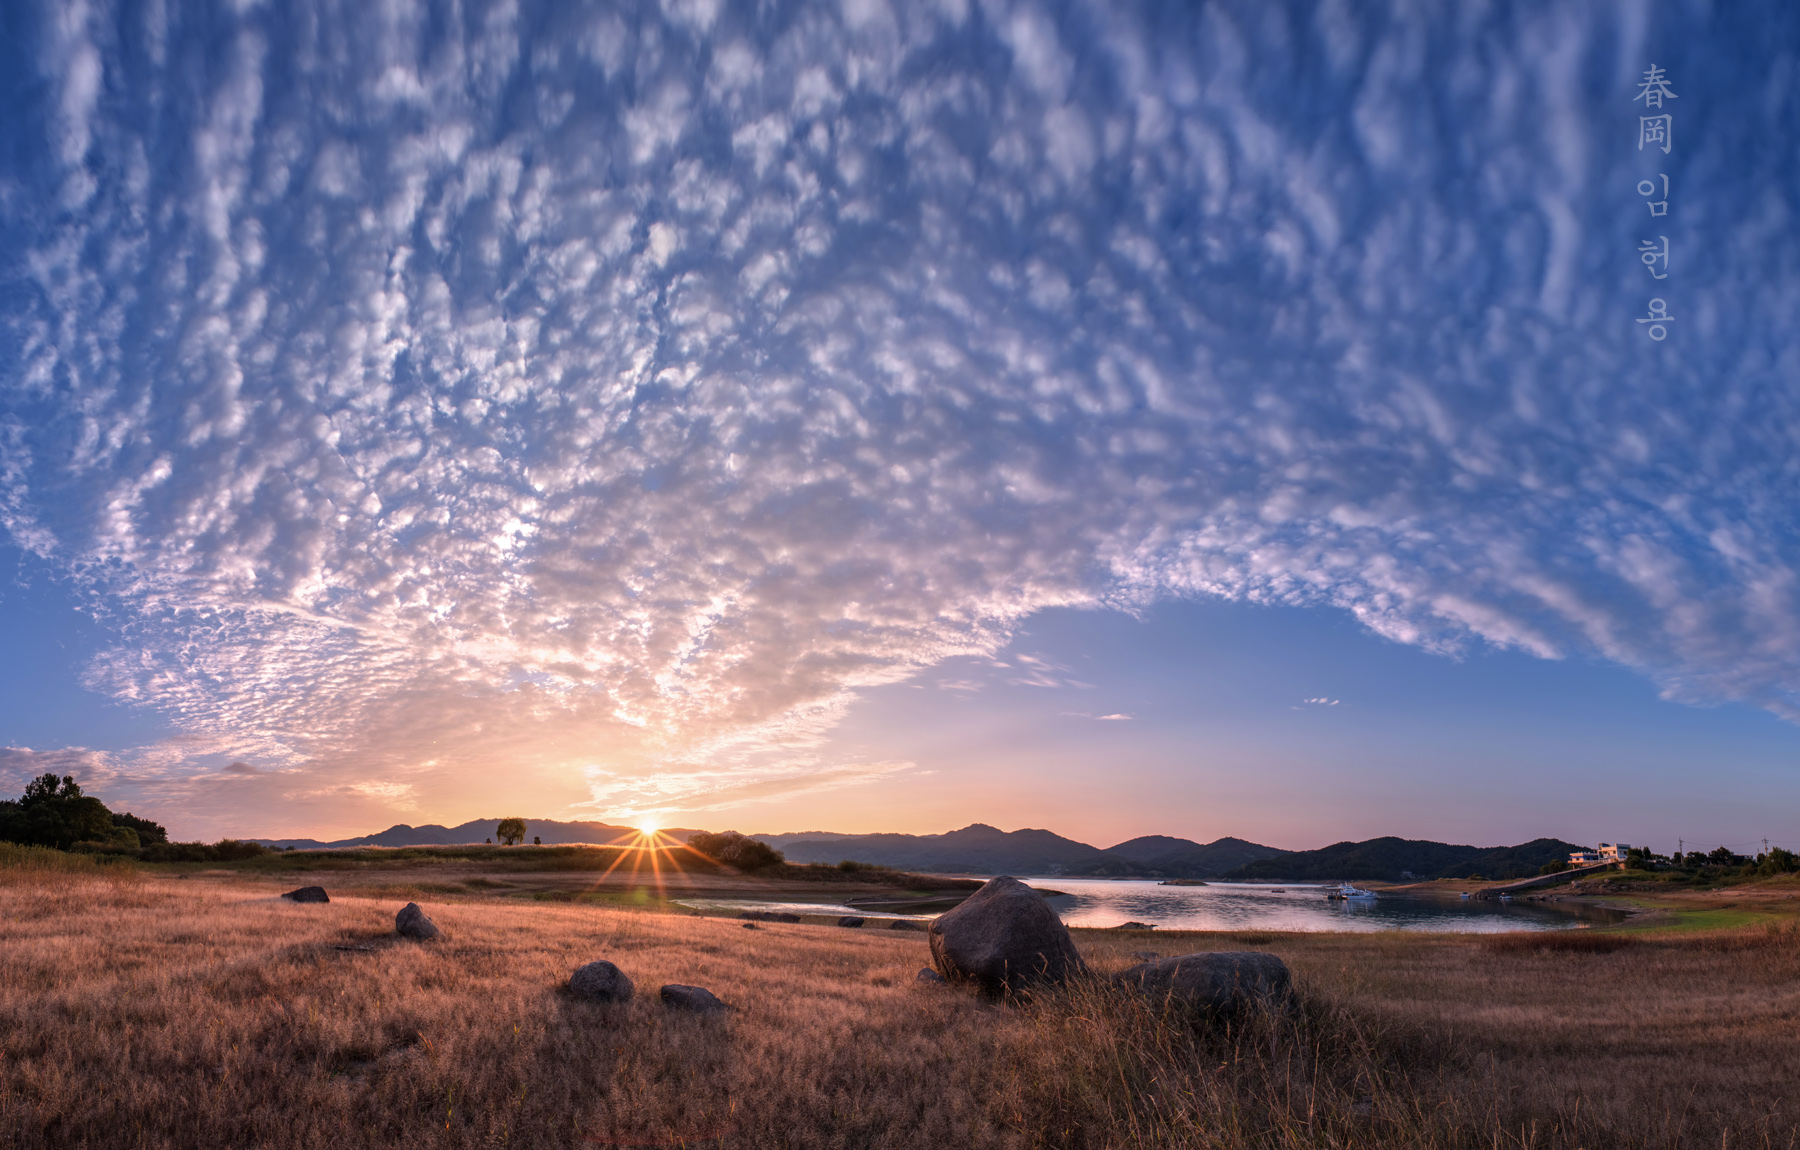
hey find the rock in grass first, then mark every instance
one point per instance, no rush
(904, 924)
(601, 981)
(850, 920)
(412, 923)
(1135, 926)
(307, 894)
(1004, 937)
(750, 926)
(769, 916)
(1213, 982)
(695, 998)
(928, 975)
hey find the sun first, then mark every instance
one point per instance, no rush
(648, 826)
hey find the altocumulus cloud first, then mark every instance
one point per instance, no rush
(442, 391)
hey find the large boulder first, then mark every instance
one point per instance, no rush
(1003, 938)
(904, 924)
(601, 981)
(307, 894)
(412, 923)
(695, 998)
(1219, 983)
(850, 920)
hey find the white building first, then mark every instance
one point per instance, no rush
(1608, 852)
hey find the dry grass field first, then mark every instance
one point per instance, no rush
(142, 1011)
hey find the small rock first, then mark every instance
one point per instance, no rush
(1004, 937)
(904, 924)
(307, 894)
(1135, 926)
(1218, 982)
(926, 974)
(412, 923)
(601, 980)
(750, 926)
(695, 998)
(1145, 955)
(850, 920)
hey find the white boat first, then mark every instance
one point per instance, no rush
(1347, 893)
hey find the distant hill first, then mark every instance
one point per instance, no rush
(1184, 858)
(478, 830)
(975, 849)
(1389, 858)
(982, 849)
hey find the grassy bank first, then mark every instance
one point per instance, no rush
(141, 1011)
(669, 863)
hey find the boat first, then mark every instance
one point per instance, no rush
(1346, 893)
(1465, 894)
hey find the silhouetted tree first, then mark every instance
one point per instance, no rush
(54, 813)
(147, 831)
(511, 831)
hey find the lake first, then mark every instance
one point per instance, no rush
(1247, 906)
(1301, 906)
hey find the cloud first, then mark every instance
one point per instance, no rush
(738, 360)
(19, 765)
(1121, 717)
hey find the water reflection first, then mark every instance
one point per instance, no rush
(1239, 906)
(1257, 906)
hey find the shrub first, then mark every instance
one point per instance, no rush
(1556, 867)
(225, 850)
(1778, 861)
(736, 850)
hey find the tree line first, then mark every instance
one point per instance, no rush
(54, 812)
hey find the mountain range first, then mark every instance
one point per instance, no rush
(982, 849)
(1395, 860)
(474, 831)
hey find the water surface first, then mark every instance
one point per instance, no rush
(1244, 906)
(1300, 906)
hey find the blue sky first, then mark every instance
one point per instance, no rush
(413, 411)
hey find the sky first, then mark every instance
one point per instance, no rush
(1196, 419)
